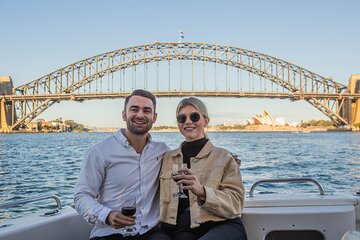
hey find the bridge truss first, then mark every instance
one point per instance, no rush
(159, 67)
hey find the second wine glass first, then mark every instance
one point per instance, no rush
(128, 208)
(180, 193)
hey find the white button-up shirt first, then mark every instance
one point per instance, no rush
(113, 169)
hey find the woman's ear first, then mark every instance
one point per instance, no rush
(206, 119)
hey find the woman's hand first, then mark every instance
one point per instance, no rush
(191, 182)
(117, 220)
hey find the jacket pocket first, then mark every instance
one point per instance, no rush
(211, 178)
(165, 186)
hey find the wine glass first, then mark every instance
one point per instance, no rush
(180, 193)
(128, 208)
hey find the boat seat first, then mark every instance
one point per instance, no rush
(67, 225)
(305, 216)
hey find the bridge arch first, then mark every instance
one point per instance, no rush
(33, 98)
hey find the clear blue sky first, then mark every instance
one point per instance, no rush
(40, 36)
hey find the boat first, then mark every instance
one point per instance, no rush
(296, 216)
(310, 216)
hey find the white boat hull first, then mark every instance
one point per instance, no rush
(319, 216)
(67, 225)
(265, 217)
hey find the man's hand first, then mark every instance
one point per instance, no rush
(117, 220)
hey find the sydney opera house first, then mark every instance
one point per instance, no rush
(266, 119)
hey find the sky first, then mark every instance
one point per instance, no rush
(41, 36)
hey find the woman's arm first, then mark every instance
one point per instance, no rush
(227, 199)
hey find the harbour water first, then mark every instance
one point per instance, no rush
(34, 164)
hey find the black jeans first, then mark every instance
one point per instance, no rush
(154, 234)
(231, 229)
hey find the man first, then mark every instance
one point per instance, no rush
(127, 163)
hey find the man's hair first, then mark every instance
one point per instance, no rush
(141, 93)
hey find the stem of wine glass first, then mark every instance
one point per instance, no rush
(184, 165)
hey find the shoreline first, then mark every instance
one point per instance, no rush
(260, 130)
(252, 128)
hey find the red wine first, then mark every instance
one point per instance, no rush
(128, 211)
(175, 174)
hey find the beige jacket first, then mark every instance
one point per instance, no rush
(218, 172)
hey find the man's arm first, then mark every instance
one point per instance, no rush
(90, 180)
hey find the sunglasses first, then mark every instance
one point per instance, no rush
(194, 117)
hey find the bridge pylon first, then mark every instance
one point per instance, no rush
(352, 109)
(7, 111)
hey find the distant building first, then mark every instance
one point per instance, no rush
(266, 119)
(43, 125)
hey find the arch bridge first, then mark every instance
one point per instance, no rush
(176, 69)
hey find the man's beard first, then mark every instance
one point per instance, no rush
(139, 131)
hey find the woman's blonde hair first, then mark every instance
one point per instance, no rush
(196, 103)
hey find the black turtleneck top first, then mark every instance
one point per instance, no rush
(189, 150)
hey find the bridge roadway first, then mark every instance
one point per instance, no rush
(88, 96)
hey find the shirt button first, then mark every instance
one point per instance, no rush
(195, 160)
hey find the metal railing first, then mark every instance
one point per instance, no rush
(286, 180)
(32, 199)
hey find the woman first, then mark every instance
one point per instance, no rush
(212, 183)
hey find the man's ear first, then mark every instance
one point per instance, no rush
(123, 115)
(155, 117)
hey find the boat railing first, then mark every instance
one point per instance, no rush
(32, 199)
(286, 180)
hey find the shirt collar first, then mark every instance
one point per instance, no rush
(120, 137)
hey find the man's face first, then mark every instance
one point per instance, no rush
(139, 115)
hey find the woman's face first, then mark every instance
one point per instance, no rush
(192, 130)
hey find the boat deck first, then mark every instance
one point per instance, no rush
(266, 217)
